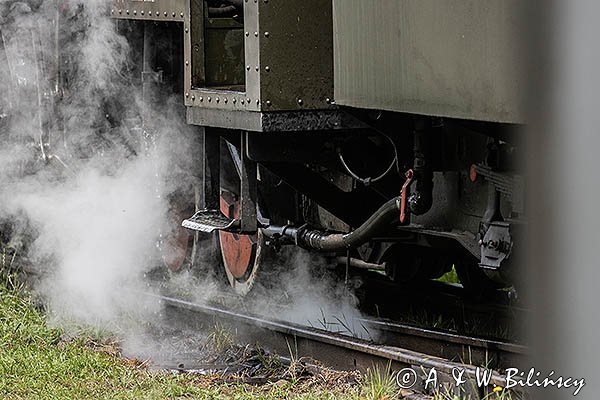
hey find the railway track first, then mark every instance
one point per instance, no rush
(413, 351)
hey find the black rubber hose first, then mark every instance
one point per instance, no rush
(318, 240)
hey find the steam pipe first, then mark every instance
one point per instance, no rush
(319, 240)
(360, 264)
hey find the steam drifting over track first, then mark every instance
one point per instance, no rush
(399, 346)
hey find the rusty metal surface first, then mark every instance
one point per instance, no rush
(445, 58)
(290, 121)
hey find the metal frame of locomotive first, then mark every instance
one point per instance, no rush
(381, 132)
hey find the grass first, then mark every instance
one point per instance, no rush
(220, 338)
(497, 393)
(446, 394)
(449, 277)
(380, 384)
(38, 362)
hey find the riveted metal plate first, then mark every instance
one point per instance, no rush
(288, 59)
(450, 58)
(296, 54)
(152, 10)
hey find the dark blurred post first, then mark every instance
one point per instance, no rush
(564, 139)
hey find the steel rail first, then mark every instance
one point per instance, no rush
(450, 345)
(348, 353)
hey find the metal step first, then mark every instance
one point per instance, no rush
(209, 221)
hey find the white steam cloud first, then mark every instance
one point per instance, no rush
(90, 198)
(100, 231)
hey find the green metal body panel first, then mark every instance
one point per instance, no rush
(434, 57)
(296, 58)
(286, 64)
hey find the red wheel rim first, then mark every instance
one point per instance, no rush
(239, 251)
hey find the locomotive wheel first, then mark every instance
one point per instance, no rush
(242, 254)
(176, 246)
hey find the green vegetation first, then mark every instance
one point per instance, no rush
(449, 277)
(220, 339)
(379, 384)
(37, 362)
(499, 394)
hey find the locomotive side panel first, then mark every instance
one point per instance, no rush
(453, 59)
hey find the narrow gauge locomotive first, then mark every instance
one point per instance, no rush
(382, 133)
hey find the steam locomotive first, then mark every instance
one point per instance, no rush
(383, 134)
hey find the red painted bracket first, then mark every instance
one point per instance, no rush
(404, 194)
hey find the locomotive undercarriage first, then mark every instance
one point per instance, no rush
(407, 195)
(314, 203)
(335, 184)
